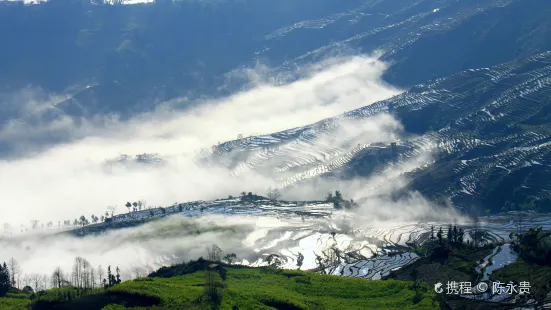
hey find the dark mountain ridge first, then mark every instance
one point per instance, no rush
(135, 56)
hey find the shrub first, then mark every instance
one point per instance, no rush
(270, 270)
(303, 280)
(292, 273)
(417, 297)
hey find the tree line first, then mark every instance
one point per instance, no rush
(339, 202)
(272, 194)
(82, 277)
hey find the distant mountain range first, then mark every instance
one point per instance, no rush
(138, 55)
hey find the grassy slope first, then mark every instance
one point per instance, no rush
(14, 301)
(265, 288)
(254, 288)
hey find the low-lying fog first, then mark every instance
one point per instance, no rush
(63, 181)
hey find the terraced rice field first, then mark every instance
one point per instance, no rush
(485, 138)
(314, 229)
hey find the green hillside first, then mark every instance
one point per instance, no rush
(243, 288)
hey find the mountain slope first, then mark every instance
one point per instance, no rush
(488, 131)
(423, 39)
(138, 55)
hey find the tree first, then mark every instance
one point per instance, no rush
(110, 277)
(101, 273)
(14, 271)
(321, 264)
(230, 258)
(337, 200)
(333, 256)
(135, 204)
(460, 236)
(275, 260)
(338, 196)
(450, 236)
(111, 209)
(82, 274)
(273, 194)
(128, 205)
(214, 253)
(211, 287)
(92, 277)
(138, 271)
(26, 280)
(37, 281)
(4, 280)
(118, 279)
(439, 234)
(76, 276)
(431, 232)
(329, 197)
(300, 260)
(454, 233)
(27, 290)
(57, 278)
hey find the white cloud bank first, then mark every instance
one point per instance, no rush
(66, 180)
